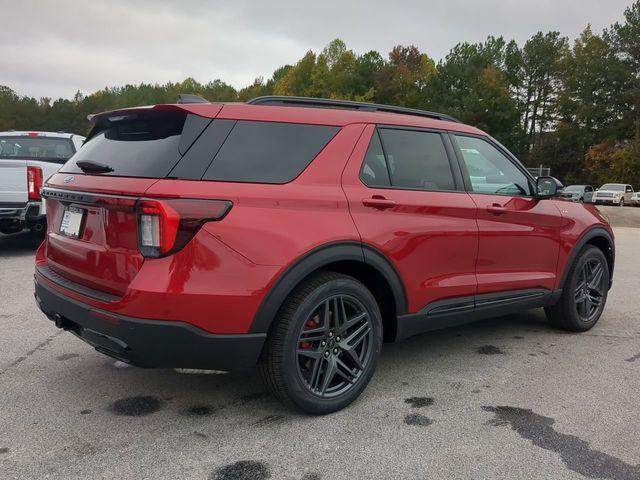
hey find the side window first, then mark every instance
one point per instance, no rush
(629, 189)
(374, 171)
(268, 152)
(491, 171)
(417, 160)
(588, 189)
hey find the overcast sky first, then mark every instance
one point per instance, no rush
(54, 48)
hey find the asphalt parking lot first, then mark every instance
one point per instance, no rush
(506, 398)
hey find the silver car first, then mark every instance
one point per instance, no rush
(614, 194)
(578, 193)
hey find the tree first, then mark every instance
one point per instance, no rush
(542, 63)
(625, 38)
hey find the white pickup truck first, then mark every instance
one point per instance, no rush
(27, 159)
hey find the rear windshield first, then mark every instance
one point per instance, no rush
(36, 148)
(142, 144)
(612, 186)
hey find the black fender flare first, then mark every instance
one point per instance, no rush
(315, 260)
(590, 234)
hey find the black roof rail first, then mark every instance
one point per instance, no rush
(190, 98)
(347, 104)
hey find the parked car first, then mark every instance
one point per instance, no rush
(295, 237)
(613, 194)
(635, 199)
(26, 159)
(578, 193)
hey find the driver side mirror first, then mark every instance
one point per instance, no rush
(547, 187)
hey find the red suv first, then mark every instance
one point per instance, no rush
(297, 234)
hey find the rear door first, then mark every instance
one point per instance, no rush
(519, 234)
(407, 200)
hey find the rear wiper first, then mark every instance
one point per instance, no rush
(87, 166)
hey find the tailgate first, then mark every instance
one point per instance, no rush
(96, 243)
(13, 181)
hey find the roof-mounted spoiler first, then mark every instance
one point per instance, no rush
(189, 98)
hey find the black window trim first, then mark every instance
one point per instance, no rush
(494, 143)
(456, 175)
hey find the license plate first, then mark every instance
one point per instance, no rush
(71, 224)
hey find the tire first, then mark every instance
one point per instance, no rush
(621, 204)
(581, 200)
(296, 370)
(575, 311)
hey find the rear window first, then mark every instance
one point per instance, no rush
(613, 187)
(268, 152)
(36, 148)
(144, 144)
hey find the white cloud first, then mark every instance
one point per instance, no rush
(56, 48)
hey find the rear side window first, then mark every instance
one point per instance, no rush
(417, 160)
(268, 152)
(144, 144)
(42, 148)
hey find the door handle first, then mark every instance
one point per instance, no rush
(496, 209)
(378, 202)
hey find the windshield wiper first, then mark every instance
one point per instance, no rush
(87, 166)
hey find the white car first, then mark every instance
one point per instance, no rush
(613, 194)
(635, 199)
(578, 193)
(27, 159)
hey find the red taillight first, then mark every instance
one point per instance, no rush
(165, 226)
(34, 182)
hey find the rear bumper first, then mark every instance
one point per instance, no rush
(149, 343)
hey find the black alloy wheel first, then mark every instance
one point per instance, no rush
(323, 347)
(334, 345)
(590, 289)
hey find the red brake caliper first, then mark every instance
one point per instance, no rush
(310, 324)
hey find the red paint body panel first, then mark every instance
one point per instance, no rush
(577, 218)
(106, 257)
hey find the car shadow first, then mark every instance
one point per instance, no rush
(204, 393)
(19, 244)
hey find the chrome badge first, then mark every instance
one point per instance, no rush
(68, 179)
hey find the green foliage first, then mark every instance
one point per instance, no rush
(575, 108)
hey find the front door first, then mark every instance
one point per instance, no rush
(519, 238)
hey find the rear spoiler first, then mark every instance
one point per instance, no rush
(183, 99)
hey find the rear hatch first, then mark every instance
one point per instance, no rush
(92, 236)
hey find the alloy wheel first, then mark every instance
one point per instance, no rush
(334, 346)
(590, 289)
